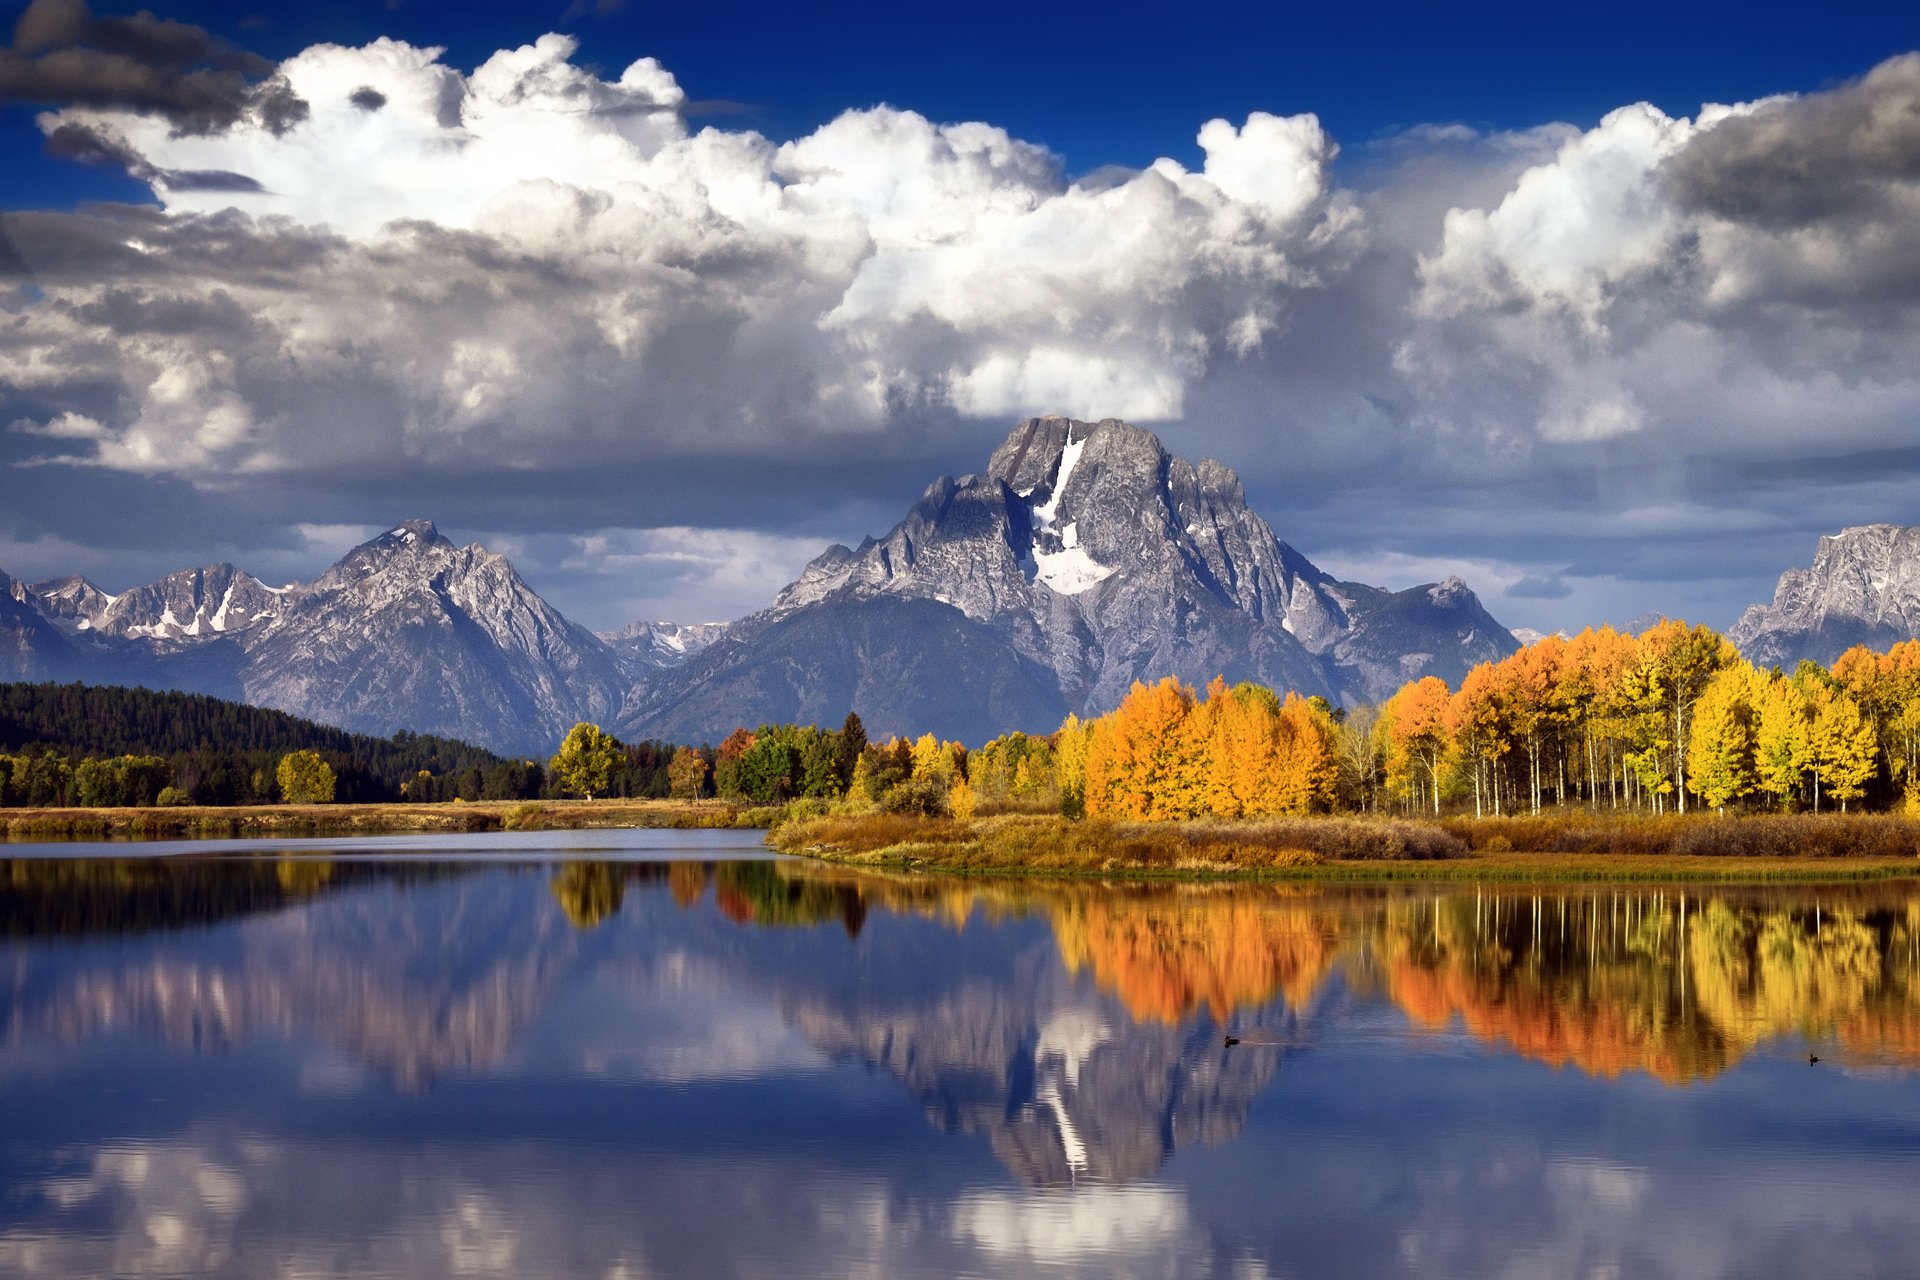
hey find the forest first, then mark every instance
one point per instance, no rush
(1655, 723)
(64, 745)
(1665, 721)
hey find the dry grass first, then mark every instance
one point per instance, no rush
(1052, 844)
(1702, 848)
(204, 822)
(1704, 835)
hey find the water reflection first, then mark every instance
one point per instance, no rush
(308, 1066)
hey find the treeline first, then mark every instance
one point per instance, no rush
(67, 745)
(1669, 719)
(105, 746)
(1664, 720)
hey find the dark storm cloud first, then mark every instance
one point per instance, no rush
(1800, 161)
(86, 145)
(1538, 588)
(63, 55)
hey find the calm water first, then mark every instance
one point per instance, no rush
(659, 1054)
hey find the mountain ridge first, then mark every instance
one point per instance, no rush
(1083, 557)
(1863, 587)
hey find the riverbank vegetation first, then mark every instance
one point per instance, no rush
(216, 822)
(1694, 847)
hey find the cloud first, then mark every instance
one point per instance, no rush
(62, 55)
(531, 259)
(533, 298)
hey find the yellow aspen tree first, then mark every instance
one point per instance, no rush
(1681, 660)
(1134, 754)
(1781, 722)
(1721, 745)
(1070, 763)
(1476, 724)
(1306, 762)
(1842, 746)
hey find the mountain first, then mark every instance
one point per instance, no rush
(1862, 588)
(652, 646)
(410, 631)
(1084, 558)
(215, 600)
(31, 646)
(407, 631)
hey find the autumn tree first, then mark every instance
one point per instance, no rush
(1070, 764)
(726, 763)
(1722, 737)
(1134, 754)
(687, 774)
(1842, 747)
(1477, 723)
(586, 760)
(1413, 732)
(1677, 662)
(1782, 720)
(305, 778)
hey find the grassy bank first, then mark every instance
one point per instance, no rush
(191, 822)
(1591, 847)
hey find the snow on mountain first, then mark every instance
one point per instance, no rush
(652, 646)
(1085, 552)
(409, 631)
(1862, 588)
(215, 600)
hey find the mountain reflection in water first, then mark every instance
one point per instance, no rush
(185, 1037)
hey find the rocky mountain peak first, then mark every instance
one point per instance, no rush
(1863, 587)
(1088, 556)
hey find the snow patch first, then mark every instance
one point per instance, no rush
(1045, 513)
(219, 619)
(1069, 572)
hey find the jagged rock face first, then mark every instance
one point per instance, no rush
(215, 600)
(409, 631)
(1088, 550)
(1863, 588)
(656, 646)
(31, 646)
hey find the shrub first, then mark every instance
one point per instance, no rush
(171, 797)
(923, 794)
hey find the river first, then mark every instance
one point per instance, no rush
(630, 1054)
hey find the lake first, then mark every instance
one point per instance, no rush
(635, 1054)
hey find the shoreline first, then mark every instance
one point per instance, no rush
(1706, 849)
(1504, 868)
(138, 825)
(1045, 847)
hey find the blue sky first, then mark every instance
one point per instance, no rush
(1597, 360)
(1107, 83)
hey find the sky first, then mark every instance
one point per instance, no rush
(1610, 310)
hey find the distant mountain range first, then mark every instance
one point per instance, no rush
(1083, 557)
